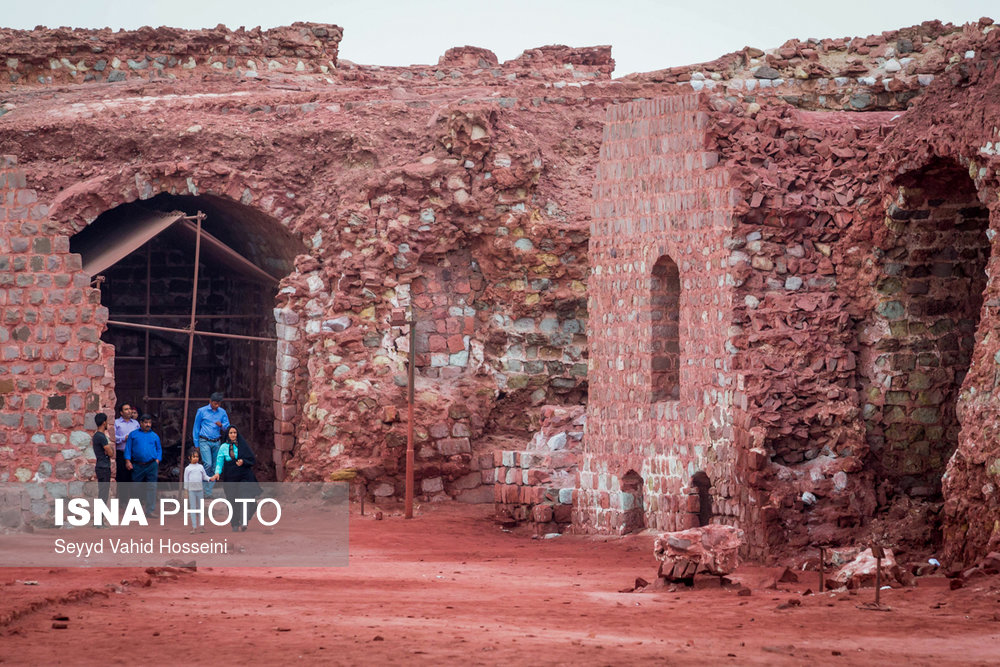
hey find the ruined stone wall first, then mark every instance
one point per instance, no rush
(463, 191)
(945, 151)
(53, 366)
(432, 194)
(62, 55)
(805, 200)
(658, 193)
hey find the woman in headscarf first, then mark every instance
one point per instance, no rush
(234, 466)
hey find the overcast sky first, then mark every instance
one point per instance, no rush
(645, 34)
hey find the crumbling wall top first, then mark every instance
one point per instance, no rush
(45, 55)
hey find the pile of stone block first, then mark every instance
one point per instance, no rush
(536, 486)
(713, 549)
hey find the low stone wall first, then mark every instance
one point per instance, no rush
(535, 488)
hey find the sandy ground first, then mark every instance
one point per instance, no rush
(450, 587)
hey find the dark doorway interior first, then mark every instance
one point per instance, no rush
(152, 285)
(702, 483)
(930, 294)
(634, 518)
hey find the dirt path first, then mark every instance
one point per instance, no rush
(450, 588)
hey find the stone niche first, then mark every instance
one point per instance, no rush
(931, 278)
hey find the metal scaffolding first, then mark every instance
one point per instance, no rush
(140, 234)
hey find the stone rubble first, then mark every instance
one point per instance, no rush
(712, 549)
(820, 217)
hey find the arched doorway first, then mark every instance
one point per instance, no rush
(633, 514)
(929, 292)
(143, 257)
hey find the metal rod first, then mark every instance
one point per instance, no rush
(409, 416)
(187, 378)
(162, 316)
(238, 261)
(145, 350)
(822, 568)
(878, 579)
(174, 399)
(150, 327)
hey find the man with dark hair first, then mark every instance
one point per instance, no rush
(103, 451)
(210, 422)
(143, 453)
(124, 425)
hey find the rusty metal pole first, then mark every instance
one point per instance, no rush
(822, 567)
(409, 416)
(878, 577)
(187, 377)
(145, 353)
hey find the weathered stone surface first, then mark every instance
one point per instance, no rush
(713, 549)
(860, 572)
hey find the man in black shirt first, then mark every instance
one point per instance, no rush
(103, 451)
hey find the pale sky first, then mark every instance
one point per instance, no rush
(644, 34)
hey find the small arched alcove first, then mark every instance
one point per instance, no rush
(702, 484)
(143, 255)
(633, 514)
(664, 318)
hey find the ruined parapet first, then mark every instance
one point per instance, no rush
(65, 55)
(561, 68)
(878, 72)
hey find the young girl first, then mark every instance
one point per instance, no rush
(194, 475)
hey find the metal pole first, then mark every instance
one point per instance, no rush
(145, 354)
(211, 334)
(822, 568)
(878, 578)
(409, 416)
(162, 316)
(187, 377)
(206, 399)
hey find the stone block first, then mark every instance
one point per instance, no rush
(452, 446)
(469, 481)
(480, 495)
(432, 484)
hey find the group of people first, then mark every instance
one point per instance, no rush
(220, 453)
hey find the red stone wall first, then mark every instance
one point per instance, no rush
(61, 55)
(955, 127)
(920, 345)
(402, 185)
(52, 363)
(658, 192)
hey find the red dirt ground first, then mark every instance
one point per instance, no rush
(449, 587)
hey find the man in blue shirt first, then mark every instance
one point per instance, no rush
(143, 453)
(210, 424)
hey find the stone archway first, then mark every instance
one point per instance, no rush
(921, 337)
(243, 253)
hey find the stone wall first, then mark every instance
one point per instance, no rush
(464, 191)
(62, 55)
(53, 366)
(658, 195)
(536, 486)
